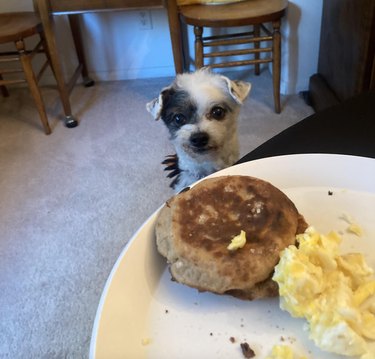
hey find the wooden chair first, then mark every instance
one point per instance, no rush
(15, 27)
(252, 13)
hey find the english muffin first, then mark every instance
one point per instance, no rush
(194, 228)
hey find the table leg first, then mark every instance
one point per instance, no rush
(276, 64)
(78, 43)
(176, 35)
(49, 33)
(4, 90)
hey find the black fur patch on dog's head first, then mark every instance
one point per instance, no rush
(178, 109)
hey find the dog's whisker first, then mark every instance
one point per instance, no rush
(171, 167)
(174, 182)
(170, 160)
(170, 157)
(174, 173)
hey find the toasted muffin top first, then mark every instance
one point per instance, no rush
(195, 228)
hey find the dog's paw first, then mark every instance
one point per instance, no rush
(171, 164)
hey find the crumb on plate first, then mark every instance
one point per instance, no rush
(146, 341)
(247, 351)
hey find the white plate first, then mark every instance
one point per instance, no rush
(141, 304)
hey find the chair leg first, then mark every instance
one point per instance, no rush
(33, 85)
(47, 53)
(78, 44)
(50, 37)
(198, 31)
(276, 64)
(4, 90)
(176, 35)
(257, 46)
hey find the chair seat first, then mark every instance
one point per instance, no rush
(16, 26)
(235, 14)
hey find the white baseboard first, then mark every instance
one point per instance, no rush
(118, 75)
(132, 74)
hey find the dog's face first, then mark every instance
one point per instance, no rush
(200, 111)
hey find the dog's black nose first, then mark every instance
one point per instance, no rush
(199, 139)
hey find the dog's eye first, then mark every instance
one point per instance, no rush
(217, 113)
(179, 119)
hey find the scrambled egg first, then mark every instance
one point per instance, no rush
(146, 341)
(237, 241)
(353, 227)
(282, 352)
(335, 293)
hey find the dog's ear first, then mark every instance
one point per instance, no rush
(155, 106)
(239, 90)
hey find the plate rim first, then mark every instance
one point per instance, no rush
(151, 218)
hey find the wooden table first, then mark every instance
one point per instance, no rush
(48, 9)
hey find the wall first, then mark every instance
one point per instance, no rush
(139, 52)
(117, 46)
(300, 44)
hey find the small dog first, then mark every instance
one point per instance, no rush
(200, 110)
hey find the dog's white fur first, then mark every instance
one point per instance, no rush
(204, 90)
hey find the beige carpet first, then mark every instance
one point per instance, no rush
(69, 202)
